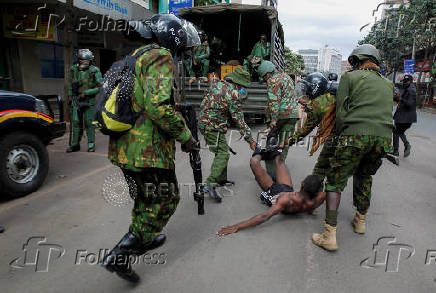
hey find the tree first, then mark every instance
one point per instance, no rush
(412, 27)
(294, 63)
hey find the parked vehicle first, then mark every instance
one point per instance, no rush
(27, 125)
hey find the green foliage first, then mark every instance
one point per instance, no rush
(394, 35)
(294, 63)
(206, 2)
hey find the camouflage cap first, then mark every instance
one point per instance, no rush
(239, 76)
(265, 67)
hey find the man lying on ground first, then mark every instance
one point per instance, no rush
(280, 195)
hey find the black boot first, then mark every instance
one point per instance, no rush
(118, 258)
(393, 158)
(212, 193)
(407, 148)
(72, 149)
(2, 229)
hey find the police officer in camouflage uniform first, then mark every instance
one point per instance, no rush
(364, 129)
(87, 80)
(282, 108)
(224, 100)
(321, 105)
(146, 152)
(201, 57)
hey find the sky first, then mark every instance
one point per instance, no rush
(316, 23)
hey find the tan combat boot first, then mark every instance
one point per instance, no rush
(192, 79)
(326, 240)
(358, 223)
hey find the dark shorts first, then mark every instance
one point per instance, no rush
(269, 196)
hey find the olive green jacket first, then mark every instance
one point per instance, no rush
(364, 104)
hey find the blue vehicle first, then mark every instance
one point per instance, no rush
(27, 125)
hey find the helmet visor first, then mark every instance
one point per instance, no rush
(193, 39)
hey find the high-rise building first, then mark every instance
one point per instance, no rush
(329, 60)
(310, 58)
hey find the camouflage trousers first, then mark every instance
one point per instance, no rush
(359, 156)
(82, 118)
(156, 195)
(285, 129)
(218, 145)
(323, 162)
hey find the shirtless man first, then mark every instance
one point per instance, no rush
(280, 195)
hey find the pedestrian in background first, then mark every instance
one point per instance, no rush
(405, 115)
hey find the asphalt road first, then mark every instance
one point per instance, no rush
(74, 222)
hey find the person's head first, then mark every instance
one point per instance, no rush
(203, 37)
(85, 58)
(266, 69)
(407, 80)
(316, 85)
(310, 187)
(263, 38)
(363, 54)
(333, 77)
(241, 80)
(168, 31)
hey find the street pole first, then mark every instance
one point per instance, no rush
(68, 52)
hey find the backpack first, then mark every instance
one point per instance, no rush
(114, 114)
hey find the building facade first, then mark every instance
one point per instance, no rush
(329, 60)
(310, 58)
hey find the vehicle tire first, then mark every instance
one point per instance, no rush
(23, 164)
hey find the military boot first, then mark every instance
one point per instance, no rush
(192, 79)
(393, 158)
(359, 223)
(327, 239)
(118, 259)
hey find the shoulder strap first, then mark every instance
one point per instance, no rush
(143, 50)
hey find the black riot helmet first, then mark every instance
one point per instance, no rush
(316, 85)
(333, 77)
(168, 30)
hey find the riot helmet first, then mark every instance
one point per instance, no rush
(316, 85)
(170, 32)
(333, 77)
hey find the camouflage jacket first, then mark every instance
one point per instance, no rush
(316, 110)
(151, 141)
(202, 52)
(89, 80)
(281, 101)
(220, 103)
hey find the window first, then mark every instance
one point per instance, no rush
(51, 57)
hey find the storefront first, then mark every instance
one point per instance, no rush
(32, 54)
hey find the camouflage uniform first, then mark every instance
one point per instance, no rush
(201, 55)
(89, 84)
(317, 110)
(360, 155)
(146, 153)
(282, 108)
(220, 103)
